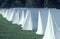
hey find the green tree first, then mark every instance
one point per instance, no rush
(17, 4)
(35, 3)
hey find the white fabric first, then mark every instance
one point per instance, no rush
(28, 21)
(56, 20)
(3, 12)
(39, 29)
(26, 17)
(6, 13)
(16, 18)
(49, 33)
(52, 29)
(22, 19)
(11, 16)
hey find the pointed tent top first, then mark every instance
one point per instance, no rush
(49, 12)
(49, 32)
(28, 11)
(39, 13)
(39, 29)
(22, 11)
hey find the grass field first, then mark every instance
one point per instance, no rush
(13, 31)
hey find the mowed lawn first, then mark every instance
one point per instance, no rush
(13, 31)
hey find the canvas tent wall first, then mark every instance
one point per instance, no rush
(12, 14)
(39, 29)
(49, 32)
(21, 20)
(9, 14)
(3, 12)
(44, 15)
(56, 21)
(34, 17)
(6, 12)
(28, 21)
(16, 18)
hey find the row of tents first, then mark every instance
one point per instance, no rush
(51, 30)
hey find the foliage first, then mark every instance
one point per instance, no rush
(30, 3)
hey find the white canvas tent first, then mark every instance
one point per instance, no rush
(56, 21)
(21, 21)
(49, 32)
(3, 12)
(39, 28)
(28, 21)
(25, 18)
(11, 16)
(16, 18)
(6, 13)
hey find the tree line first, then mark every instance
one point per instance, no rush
(30, 3)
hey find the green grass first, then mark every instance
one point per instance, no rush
(13, 31)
